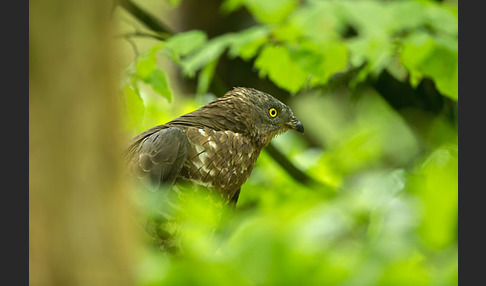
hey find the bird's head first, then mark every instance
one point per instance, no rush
(264, 115)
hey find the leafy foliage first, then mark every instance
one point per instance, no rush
(425, 56)
(313, 41)
(384, 209)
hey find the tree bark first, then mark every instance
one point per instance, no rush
(80, 230)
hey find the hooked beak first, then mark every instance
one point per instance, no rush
(296, 125)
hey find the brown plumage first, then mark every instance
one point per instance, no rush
(214, 147)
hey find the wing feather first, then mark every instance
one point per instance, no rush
(157, 157)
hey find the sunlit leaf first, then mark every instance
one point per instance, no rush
(425, 56)
(320, 20)
(205, 77)
(134, 105)
(270, 11)
(398, 272)
(146, 65)
(152, 269)
(247, 43)
(208, 53)
(277, 63)
(437, 186)
(229, 6)
(370, 18)
(147, 62)
(406, 15)
(374, 52)
(184, 43)
(158, 81)
(443, 18)
(320, 61)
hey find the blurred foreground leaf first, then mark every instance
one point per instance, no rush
(147, 62)
(437, 185)
(134, 105)
(184, 43)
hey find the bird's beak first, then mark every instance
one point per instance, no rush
(296, 124)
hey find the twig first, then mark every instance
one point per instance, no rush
(148, 20)
(134, 46)
(142, 34)
(297, 174)
(288, 166)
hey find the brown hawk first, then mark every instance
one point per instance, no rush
(214, 147)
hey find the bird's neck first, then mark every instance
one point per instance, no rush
(260, 141)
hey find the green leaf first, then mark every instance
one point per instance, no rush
(369, 18)
(277, 63)
(443, 18)
(247, 42)
(320, 61)
(146, 65)
(317, 21)
(294, 66)
(437, 185)
(229, 6)
(184, 43)
(147, 62)
(271, 11)
(159, 83)
(134, 105)
(426, 56)
(396, 69)
(406, 15)
(208, 53)
(206, 76)
(373, 51)
(398, 272)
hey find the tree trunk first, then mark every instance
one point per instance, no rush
(80, 230)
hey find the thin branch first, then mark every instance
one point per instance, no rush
(134, 46)
(144, 17)
(143, 34)
(290, 168)
(285, 163)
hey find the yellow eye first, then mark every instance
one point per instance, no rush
(273, 112)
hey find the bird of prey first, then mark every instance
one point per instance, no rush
(214, 147)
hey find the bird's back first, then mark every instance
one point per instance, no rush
(220, 161)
